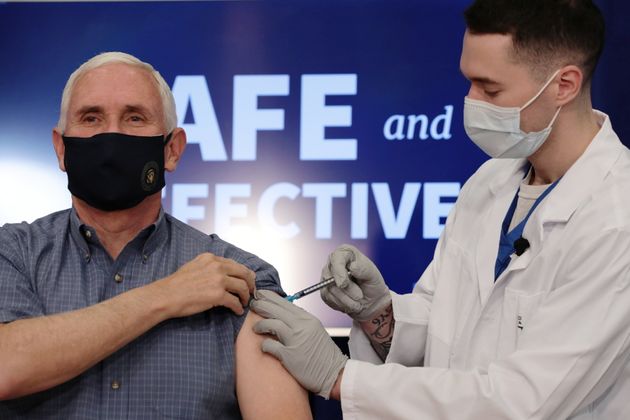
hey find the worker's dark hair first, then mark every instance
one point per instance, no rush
(545, 33)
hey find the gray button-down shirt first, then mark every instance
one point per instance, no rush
(182, 368)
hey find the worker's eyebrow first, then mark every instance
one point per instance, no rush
(484, 80)
(480, 79)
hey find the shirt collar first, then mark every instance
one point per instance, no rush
(146, 241)
(157, 235)
(78, 233)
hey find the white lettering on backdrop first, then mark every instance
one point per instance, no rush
(231, 202)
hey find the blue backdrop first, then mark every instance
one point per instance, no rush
(310, 123)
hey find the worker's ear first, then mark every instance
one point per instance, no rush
(570, 81)
(174, 149)
(60, 148)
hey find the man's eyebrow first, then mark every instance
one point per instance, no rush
(88, 109)
(481, 80)
(484, 80)
(138, 108)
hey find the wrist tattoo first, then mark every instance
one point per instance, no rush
(382, 332)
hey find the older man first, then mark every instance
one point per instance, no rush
(114, 309)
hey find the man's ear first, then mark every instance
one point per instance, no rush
(174, 149)
(60, 148)
(570, 84)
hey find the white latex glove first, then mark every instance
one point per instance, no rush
(304, 348)
(359, 289)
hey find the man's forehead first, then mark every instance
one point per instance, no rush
(125, 82)
(115, 71)
(487, 57)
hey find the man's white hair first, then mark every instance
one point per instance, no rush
(166, 96)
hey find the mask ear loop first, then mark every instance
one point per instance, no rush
(168, 138)
(553, 120)
(542, 89)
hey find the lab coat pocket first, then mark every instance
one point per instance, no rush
(518, 307)
(455, 306)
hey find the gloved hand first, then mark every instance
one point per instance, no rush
(359, 289)
(304, 347)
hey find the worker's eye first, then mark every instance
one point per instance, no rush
(491, 93)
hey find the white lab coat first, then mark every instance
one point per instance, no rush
(549, 340)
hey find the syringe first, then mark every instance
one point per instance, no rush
(311, 289)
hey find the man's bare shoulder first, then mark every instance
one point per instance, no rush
(264, 388)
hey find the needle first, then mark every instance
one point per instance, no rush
(310, 289)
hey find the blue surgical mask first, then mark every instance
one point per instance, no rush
(497, 130)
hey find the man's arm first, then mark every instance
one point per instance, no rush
(265, 390)
(39, 353)
(42, 352)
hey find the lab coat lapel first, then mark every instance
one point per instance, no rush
(584, 178)
(579, 183)
(502, 190)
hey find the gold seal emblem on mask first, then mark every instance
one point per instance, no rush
(150, 176)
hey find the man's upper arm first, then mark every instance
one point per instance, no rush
(265, 390)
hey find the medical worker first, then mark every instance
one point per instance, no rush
(524, 312)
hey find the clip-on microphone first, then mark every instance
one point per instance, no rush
(520, 246)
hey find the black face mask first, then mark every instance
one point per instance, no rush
(114, 171)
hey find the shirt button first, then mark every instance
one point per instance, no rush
(115, 385)
(88, 234)
(118, 278)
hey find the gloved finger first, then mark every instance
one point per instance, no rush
(266, 305)
(352, 290)
(270, 305)
(280, 306)
(273, 297)
(273, 347)
(275, 327)
(341, 300)
(326, 273)
(347, 296)
(338, 263)
(362, 269)
(330, 300)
